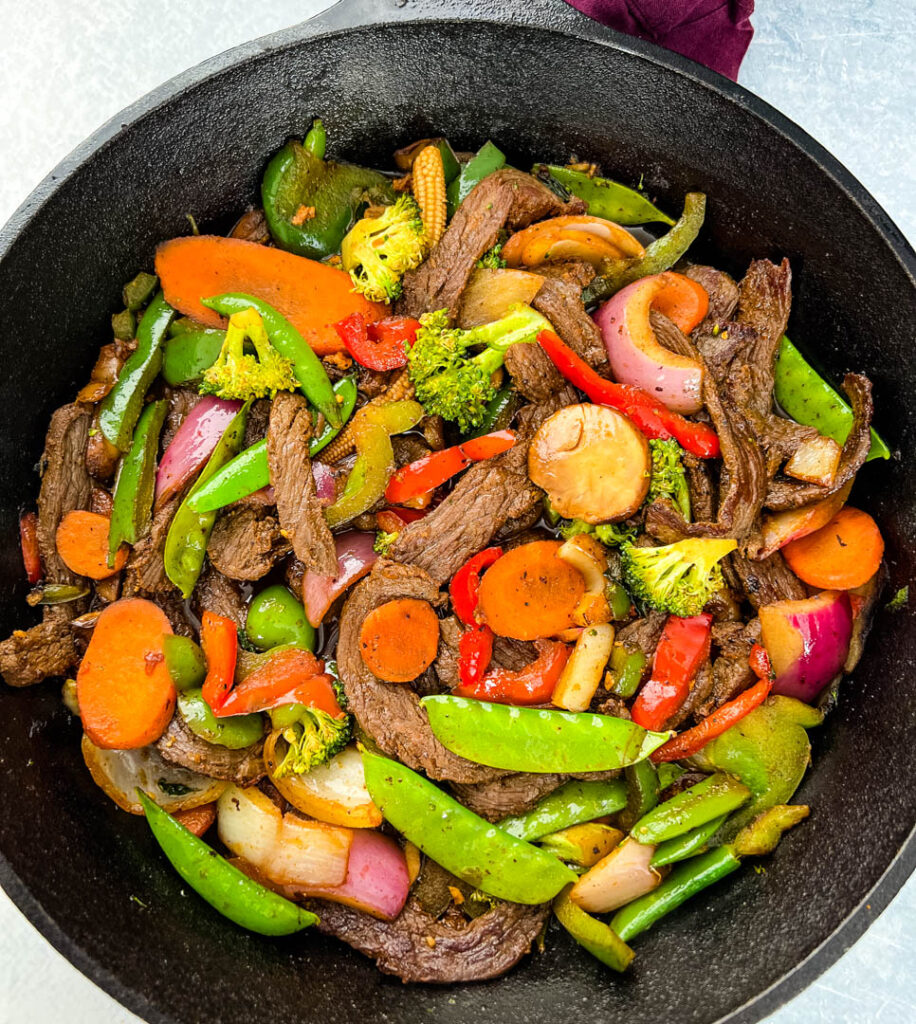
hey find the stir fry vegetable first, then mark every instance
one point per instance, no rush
(604, 197)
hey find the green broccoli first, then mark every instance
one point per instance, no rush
(383, 541)
(240, 375)
(492, 258)
(677, 578)
(378, 251)
(669, 479)
(313, 736)
(611, 535)
(457, 387)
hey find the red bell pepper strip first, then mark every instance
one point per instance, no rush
(723, 718)
(759, 662)
(378, 346)
(475, 650)
(220, 640)
(465, 586)
(534, 684)
(28, 539)
(649, 414)
(682, 649)
(290, 676)
(434, 469)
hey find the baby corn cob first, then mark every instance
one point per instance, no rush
(429, 191)
(344, 443)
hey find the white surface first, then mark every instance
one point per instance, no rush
(843, 69)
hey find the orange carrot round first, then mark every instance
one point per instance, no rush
(530, 592)
(684, 301)
(844, 554)
(311, 295)
(399, 640)
(124, 689)
(82, 543)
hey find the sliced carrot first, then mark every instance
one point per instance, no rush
(312, 296)
(399, 640)
(197, 819)
(844, 554)
(125, 692)
(82, 543)
(530, 592)
(684, 301)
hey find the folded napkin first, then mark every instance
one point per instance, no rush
(716, 33)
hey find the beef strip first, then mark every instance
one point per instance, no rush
(533, 374)
(446, 663)
(301, 515)
(643, 635)
(181, 402)
(256, 422)
(765, 581)
(671, 336)
(722, 292)
(701, 486)
(246, 543)
(719, 346)
(178, 745)
(390, 712)
(418, 948)
(561, 302)
(512, 654)
(575, 272)
(699, 691)
(514, 794)
(32, 655)
(731, 673)
(145, 572)
(216, 593)
(506, 199)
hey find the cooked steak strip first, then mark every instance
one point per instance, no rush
(643, 635)
(181, 402)
(257, 421)
(722, 292)
(533, 374)
(574, 272)
(178, 745)
(514, 794)
(300, 513)
(701, 487)
(32, 655)
(731, 673)
(216, 593)
(145, 572)
(671, 336)
(246, 543)
(700, 690)
(561, 302)
(765, 581)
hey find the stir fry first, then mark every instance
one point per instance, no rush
(446, 551)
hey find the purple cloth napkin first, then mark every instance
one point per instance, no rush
(716, 33)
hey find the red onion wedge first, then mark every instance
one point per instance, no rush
(193, 444)
(355, 557)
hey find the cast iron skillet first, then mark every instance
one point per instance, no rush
(382, 73)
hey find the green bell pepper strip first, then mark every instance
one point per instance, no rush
(275, 617)
(685, 881)
(185, 661)
(719, 794)
(480, 853)
(234, 732)
(122, 406)
(189, 534)
(763, 834)
(642, 792)
(571, 804)
(139, 291)
(187, 354)
(316, 139)
(498, 412)
(307, 367)
(809, 399)
(124, 325)
(682, 847)
(660, 255)
(132, 503)
(606, 198)
(591, 934)
(487, 160)
(668, 772)
(537, 740)
(621, 605)
(228, 890)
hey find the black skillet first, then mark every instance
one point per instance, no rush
(380, 74)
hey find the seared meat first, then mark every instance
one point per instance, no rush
(257, 421)
(246, 543)
(216, 593)
(178, 745)
(765, 581)
(514, 794)
(722, 291)
(561, 302)
(533, 374)
(446, 663)
(32, 655)
(731, 673)
(181, 402)
(574, 272)
(643, 634)
(671, 336)
(145, 572)
(699, 692)
(701, 487)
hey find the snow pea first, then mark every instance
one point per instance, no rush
(685, 881)
(307, 367)
(537, 740)
(642, 792)
(188, 354)
(682, 847)
(132, 504)
(487, 160)
(571, 804)
(480, 853)
(234, 732)
(228, 890)
(185, 661)
(605, 197)
(275, 617)
(591, 934)
(719, 794)
(809, 399)
(121, 407)
(189, 534)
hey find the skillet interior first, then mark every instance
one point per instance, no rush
(88, 876)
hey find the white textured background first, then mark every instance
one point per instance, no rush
(843, 69)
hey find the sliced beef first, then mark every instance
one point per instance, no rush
(390, 712)
(506, 199)
(699, 692)
(765, 581)
(246, 543)
(216, 593)
(671, 336)
(417, 947)
(514, 794)
(174, 607)
(101, 456)
(642, 636)
(32, 655)
(731, 673)
(301, 515)
(446, 663)
(181, 402)
(178, 745)
(719, 346)
(533, 374)
(722, 292)
(701, 486)
(145, 572)
(575, 272)
(257, 421)
(561, 302)
(512, 654)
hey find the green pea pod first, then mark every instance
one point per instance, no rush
(480, 853)
(606, 198)
(275, 617)
(224, 887)
(536, 740)
(307, 367)
(571, 804)
(189, 534)
(235, 732)
(487, 160)
(132, 504)
(122, 406)
(690, 843)
(642, 792)
(189, 353)
(185, 661)
(809, 399)
(591, 934)
(660, 255)
(719, 794)
(685, 881)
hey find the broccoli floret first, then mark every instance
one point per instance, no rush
(237, 374)
(669, 479)
(677, 578)
(378, 251)
(451, 384)
(314, 737)
(492, 258)
(383, 541)
(611, 535)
